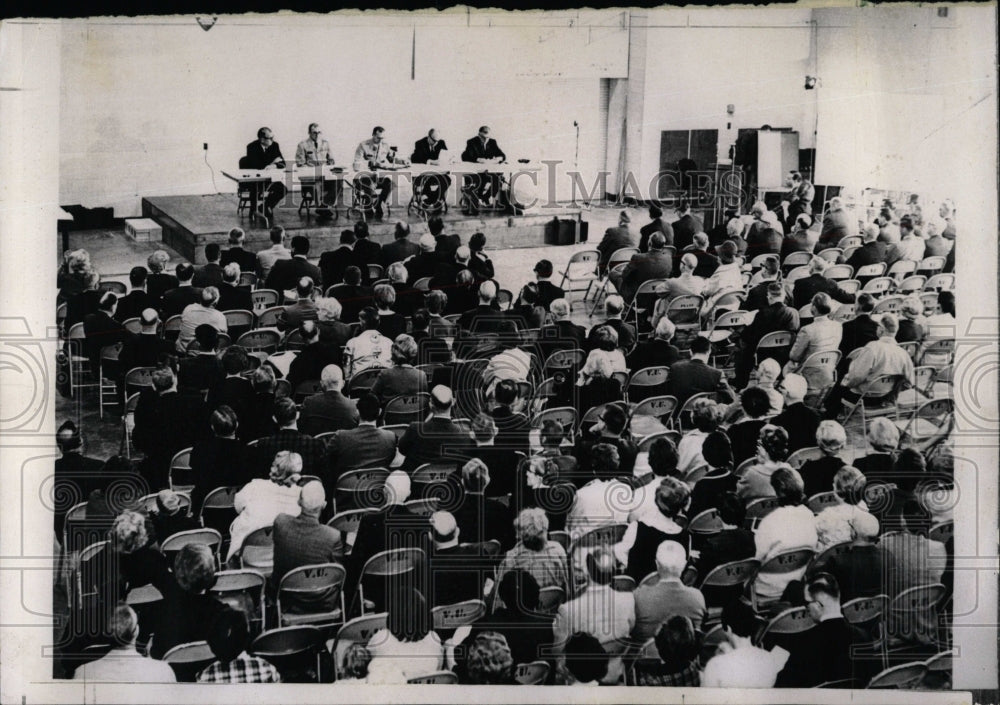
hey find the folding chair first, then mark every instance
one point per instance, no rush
(534, 673)
(311, 594)
(938, 354)
(364, 488)
(290, 649)
(257, 551)
(780, 564)
(903, 677)
(791, 621)
(238, 322)
(849, 252)
(877, 399)
(570, 360)
(260, 341)
(912, 284)
(550, 598)
(919, 389)
(926, 421)
(931, 265)
(189, 659)
(822, 500)
(850, 241)
(868, 615)
(850, 286)
(722, 577)
(79, 361)
(646, 443)
(796, 259)
(362, 382)
(828, 553)
(661, 408)
(505, 299)
(619, 258)
(457, 615)
(264, 299)
(385, 564)
(347, 523)
(243, 590)
(563, 415)
(436, 473)
(901, 269)
(684, 312)
(422, 507)
(758, 509)
(170, 545)
(172, 328)
(684, 420)
(839, 272)
(422, 284)
(406, 409)
(218, 510)
(147, 504)
(870, 271)
(181, 464)
(355, 631)
(435, 678)
(830, 254)
(375, 271)
(248, 279)
(776, 345)
(723, 327)
(879, 286)
(940, 282)
(268, 318)
(890, 304)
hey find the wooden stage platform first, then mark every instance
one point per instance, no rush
(191, 222)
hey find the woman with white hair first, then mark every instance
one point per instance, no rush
(260, 501)
(331, 329)
(910, 321)
(883, 437)
(402, 377)
(836, 524)
(596, 384)
(534, 552)
(818, 474)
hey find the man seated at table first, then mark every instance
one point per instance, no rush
(481, 149)
(315, 152)
(264, 153)
(427, 150)
(372, 154)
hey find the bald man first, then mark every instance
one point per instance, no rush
(656, 603)
(328, 410)
(303, 540)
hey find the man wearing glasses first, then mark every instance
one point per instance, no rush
(315, 152)
(262, 154)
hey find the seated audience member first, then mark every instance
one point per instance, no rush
(818, 474)
(188, 611)
(822, 335)
(73, 467)
(707, 263)
(235, 391)
(366, 250)
(285, 273)
(526, 312)
(170, 516)
(159, 280)
(605, 339)
(726, 277)
(706, 416)
(401, 248)
(354, 664)
(657, 602)
(79, 305)
(738, 663)
(438, 326)
(600, 610)
(678, 648)
(463, 295)
(210, 273)
(147, 349)
(798, 420)
(790, 526)
(368, 348)
(824, 652)
(259, 421)
(174, 300)
(408, 646)
(436, 437)
(137, 300)
(611, 428)
(124, 664)
(203, 370)
(744, 434)
(644, 266)
(685, 284)
(910, 328)
(835, 524)
(562, 333)
(547, 291)
(657, 224)
(806, 288)
(501, 460)
(479, 517)
(456, 571)
(308, 365)
(613, 307)
(332, 331)
(772, 451)
(648, 531)
(596, 385)
(233, 297)
(402, 378)
(479, 262)
(301, 540)
(229, 639)
(362, 447)
(260, 501)
(102, 330)
(768, 272)
(586, 661)
(767, 374)
(776, 316)
(732, 543)
(662, 460)
(277, 251)
(591, 508)
(871, 251)
(390, 323)
(424, 263)
(517, 618)
(488, 661)
(288, 437)
(237, 253)
(801, 239)
(328, 410)
(512, 424)
(219, 461)
(393, 525)
(859, 331)
(535, 553)
(695, 376)
(303, 309)
(408, 299)
(353, 297)
(860, 571)
(510, 362)
(201, 313)
(883, 437)
(657, 351)
(910, 246)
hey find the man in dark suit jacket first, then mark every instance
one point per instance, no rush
(425, 263)
(203, 370)
(210, 273)
(313, 358)
(435, 438)
(74, 473)
(613, 307)
(836, 225)
(615, 239)
(288, 437)
(231, 296)
(658, 351)
(654, 264)
(478, 517)
(334, 263)
(234, 391)
(859, 331)
(685, 226)
(302, 540)
(328, 410)
(158, 282)
(177, 299)
(136, 301)
(547, 291)
(365, 251)
(364, 446)
(146, 349)
(806, 288)
(872, 251)
(261, 154)
(285, 273)
(247, 260)
(482, 148)
(798, 419)
(352, 295)
(562, 334)
(694, 376)
(428, 149)
(445, 246)
(408, 299)
(776, 316)
(733, 543)
(304, 308)
(707, 263)
(512, 426)
(401, 247)
(458, 570)
(657, 224)
(484, 318)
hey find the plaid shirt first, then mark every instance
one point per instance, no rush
(242, 669)
(653, 674)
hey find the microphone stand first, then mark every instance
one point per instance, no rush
(576, 153)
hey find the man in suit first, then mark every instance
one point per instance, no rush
(686, 225)
(328, 410)
(480, 518)
(136, 301)
(484, 318)
(365, 446)
(353, 297)
(371, 154)
(615, 239)
(547, 291)
(427, 150)
(654, 264)
(859, 331)
(304, 308)
(458, 570)
(806, 288)
(836, 225)
(686, 283)
(424, 263)
(408, 299)
(302, 540)
(501, 458)
(288, 437)
(732, 543)
(512, 426)
(445, 246)
(707, 262)
(401, 248)
(233, 297)
(871, 251)
(481, 149)
(656, 224)
(313, 358)
(801, 239)
(147, 349)
(694, 376)
(562, 333)
(365, 251)
(776, 316)
(656, 603)
(236, 253)
(203, 370)
(447, 270)
(613, 307)
(435, 438)
(285, 273)
(175, 300)
(262, 154)
(658, 350)
(334, 263)
(822, 335)
(277, 250)
(798, 419)
(74, 472)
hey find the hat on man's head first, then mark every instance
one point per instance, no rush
(427, 242)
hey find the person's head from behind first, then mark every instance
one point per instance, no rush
(672, 497)
(773, 442)
(475, 476)
(286, 468)
(665, 329)
(552, 434)
(209, 297)
(677, 643)
(663, 458)
(529, 293)
(531, 527)
(731, 509)
(213, 252)
(235, 360)
(284, 412)
(404, 350)
(300, 245)
(601, 566)
(670, 560)
(883, 435)
(586, 659)
(194, 568)
(817, 265)
(436, 301)
(484, 429)
(369, 408)
(794, 388)
(788, 486)
(605, 338)
(137, 277)
(559, 308)
(946, 300)
(128, 532)
(352, 276)
(614, 419)
(263, 379)
(369, 319)
(755, 402)
(727, 252)
(519, 591)
(157, 261)
(207, 338)
(397, 487)
(184, 272)
(409, 617)
(277, 235)
(888, 325)
(332, 378)
(396, 273)
(305, 288)
(613, 306)
(385, 297)
(231, 273)
(830, 437)
(224, 422)
(354, 663)
(822, 594)
(123, 625)
(706, 415)
(163, 379)
(849, 485)
(717, 450)
(228, 634)
(312, 498)
(487, 292)
(822, 304)
(604, 461)
(441, 400)
(68, 437)
(488, 660)
(688, 263)
(701, 348)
